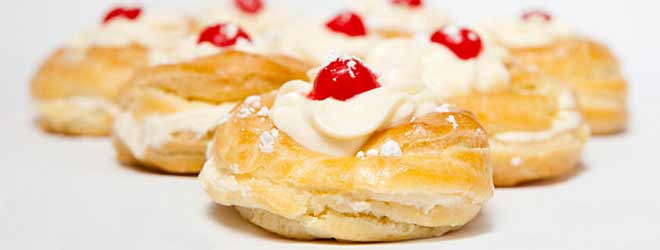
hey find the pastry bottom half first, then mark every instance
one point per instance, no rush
(172, 157)
(519, 162)
(334, 216)
(81, 116)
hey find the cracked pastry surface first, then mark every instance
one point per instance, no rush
(434, 180)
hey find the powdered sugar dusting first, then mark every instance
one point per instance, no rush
(454, 33)
(390, 149)
(249, 106)
(267, 140)
(452, 120)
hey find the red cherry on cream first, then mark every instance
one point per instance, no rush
(249, 6)
(409, 3)
(465, 43)
(120, 12)
(223, 35)
(342, 79)
(348, 23)
(536, 15)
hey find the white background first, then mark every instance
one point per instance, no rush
(63, 193)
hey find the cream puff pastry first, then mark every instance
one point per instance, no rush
(170, 110)
(76, 87)
(348, 159)
(551, 47)
(535, 129)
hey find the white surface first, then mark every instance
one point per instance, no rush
(62, 193)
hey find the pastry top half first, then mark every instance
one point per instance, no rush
(229, 76)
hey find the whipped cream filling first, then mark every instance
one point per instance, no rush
(337, 127)
(524, 33)
(149, 30)
(189, 49)
(155, 130)
(407, 61)
(383, 15)
(87, 103)
(262, 23)
(226, 182)
(315, 44)
(568, 118)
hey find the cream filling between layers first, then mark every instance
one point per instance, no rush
(155, 130)
(87, 104)
(524, 33)
(568, 118)
(225, 182)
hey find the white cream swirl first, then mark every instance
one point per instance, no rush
(261, 23)
(314, 42)
(382, 15)
(530, 33)
(148, 30)
(338, 127)
(443, 74)
(157, 129)
(190, 49)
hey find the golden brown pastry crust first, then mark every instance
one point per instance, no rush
(95, 72)
(170, 89)
(293, 191)
(531, 104)
(593, 71)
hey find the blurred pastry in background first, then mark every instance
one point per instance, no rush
(399, 18)
(533, 123)
(317, 42)
(547, 45)
(349, 158)
(256, 17)
(75, 89)
(171, 109)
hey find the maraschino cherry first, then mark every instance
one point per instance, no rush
(223, 35)
(121, 12)
(348, 23)
(536, 15)
(249, 6)
(465, 43)
(342, 79)
(408, 3)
